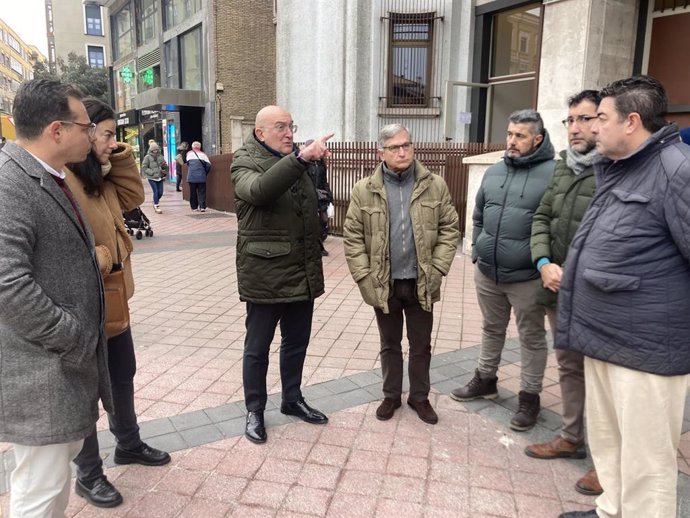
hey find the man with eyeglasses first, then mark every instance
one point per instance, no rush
(555, 222)
(279, 270)
(505, 276)
(401, 233)
(52, 344)
(624, 302)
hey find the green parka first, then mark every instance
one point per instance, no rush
(558, 217)
(366, 232)
(278, 245)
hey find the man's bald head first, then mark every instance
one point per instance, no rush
(274, 127)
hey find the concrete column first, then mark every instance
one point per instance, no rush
(585, 44)
(478, 166)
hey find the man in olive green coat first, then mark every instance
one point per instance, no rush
(553, 227)
(279, 271)
(401, 234)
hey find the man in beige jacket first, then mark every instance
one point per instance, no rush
(401, 234)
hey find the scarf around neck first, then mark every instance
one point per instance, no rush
(578, 162)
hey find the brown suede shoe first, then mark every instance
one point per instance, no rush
(558, 448)
(424, 411)
(589, 484)
(387, 408)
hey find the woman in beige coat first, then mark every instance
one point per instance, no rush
(104, 185)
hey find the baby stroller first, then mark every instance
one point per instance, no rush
(137, 223)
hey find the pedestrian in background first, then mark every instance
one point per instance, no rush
(198, 167)
(155, 169)
(180, 160)
(319, 175)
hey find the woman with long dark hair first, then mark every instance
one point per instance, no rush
(104, 185)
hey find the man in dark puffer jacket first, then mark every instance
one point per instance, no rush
(505, 276)
(625, 299)
(279, 270)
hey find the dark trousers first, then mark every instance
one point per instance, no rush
(323, 222)
(157, 188)
(197, 195)
(403, 299)
(178, 176)
(295, 328)
(123, 423)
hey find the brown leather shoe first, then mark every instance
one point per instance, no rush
(424, 411)
(589, 484)
(387, 408)
(559, 448)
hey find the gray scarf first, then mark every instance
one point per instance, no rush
(578, 162)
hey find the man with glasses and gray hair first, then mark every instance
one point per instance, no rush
(279, 270)
(52, 342)
(401, 234)
(505, 276)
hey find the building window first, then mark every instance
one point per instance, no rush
(122, 33)
(172, 64)
(94, 23)
(148, 26)
(96, 56)
(177, 11)
(410, 59)
(190, 59)
(511, 51)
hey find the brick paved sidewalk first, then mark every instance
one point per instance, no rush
(188, 326)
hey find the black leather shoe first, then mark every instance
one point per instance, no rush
(303, 411)
(100, 493)
(255, 430)
(580, 514)
(144, 455)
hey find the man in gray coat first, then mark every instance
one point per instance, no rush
(505, 276)
(625, 299)
(52, 346)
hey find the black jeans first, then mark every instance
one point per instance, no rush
(123, 423)
(295, 328)
(197, 195)
(403, 299)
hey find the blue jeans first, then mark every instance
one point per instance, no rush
(157, 188)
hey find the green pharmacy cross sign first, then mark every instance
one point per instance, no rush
(147, 77)
(126, 74)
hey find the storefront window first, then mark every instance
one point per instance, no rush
(122, 33)
(191, 59)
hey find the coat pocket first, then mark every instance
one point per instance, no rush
(626, 211)
(268, 249)
(611, 282)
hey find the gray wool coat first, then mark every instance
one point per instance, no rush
(53, 366)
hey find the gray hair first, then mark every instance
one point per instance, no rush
(390, 131)
(196, 145)
(530, 117)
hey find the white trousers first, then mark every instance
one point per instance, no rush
(634, 423)
(41, 481)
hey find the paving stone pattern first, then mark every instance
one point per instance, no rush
(188, 327)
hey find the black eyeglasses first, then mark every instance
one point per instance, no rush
(394, 149)
(580, 119)
(90, 127)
